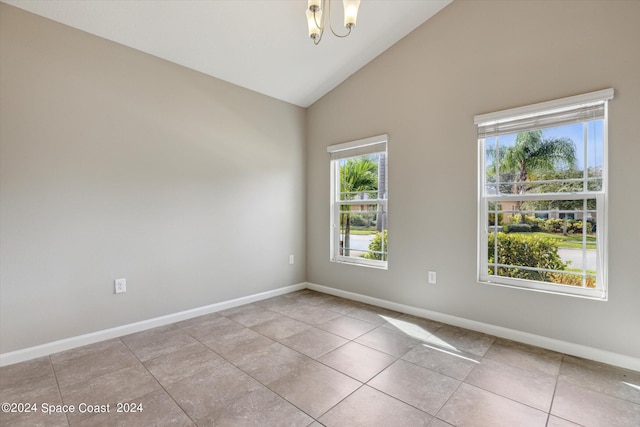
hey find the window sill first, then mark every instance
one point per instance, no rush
(378, 265)
(528, 285)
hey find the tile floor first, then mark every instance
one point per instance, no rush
(309, 359)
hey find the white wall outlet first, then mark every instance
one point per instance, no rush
(120, 286)
(432, 277)
(291, 259)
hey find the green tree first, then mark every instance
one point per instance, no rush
(357, 175)
(563, 185)
(532, 156)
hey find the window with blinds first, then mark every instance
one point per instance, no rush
(359, 202)
(542, 196)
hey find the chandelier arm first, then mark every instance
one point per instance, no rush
(331, 24)
(338, 35)
(317, 40)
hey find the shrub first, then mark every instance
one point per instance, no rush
(536, 224)
(492, 219)
(572, 280)
(527, 251)
(554, 225)
(575, 226)
(357, 220)
(518, 228)
(376, 247)
(515, 219)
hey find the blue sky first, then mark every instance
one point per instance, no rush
(576, 133)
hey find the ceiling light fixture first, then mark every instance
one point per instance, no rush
(316, 17)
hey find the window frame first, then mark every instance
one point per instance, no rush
(351, 149)
(528, 117)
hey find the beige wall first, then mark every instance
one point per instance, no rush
(476, 57)
(117, 164)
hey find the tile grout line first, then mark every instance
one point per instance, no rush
(509, 398)
(316, 419)
(553, 395)
(214, 352)
(381, 327)
(275, 341)
(158, 382)
(55, 376)
(362, 384)
(349, 341)
(446, 375)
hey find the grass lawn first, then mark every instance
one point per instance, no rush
(577, 270)
(361, 230)
(571, 241)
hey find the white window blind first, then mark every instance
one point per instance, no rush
(361, 147)
(575, 109)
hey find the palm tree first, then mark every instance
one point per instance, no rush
(356, 175)
(533, 155)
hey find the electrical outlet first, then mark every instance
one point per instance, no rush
(120, 286)
(432, 277)
(291, 259)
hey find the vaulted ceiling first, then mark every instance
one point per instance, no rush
(261, 45)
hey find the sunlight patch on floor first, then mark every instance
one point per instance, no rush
(637, 387)
(452, 353)
(409, 328)
(421, 334)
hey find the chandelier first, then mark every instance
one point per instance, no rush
(316, 17)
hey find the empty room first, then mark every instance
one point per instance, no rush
(315, 212)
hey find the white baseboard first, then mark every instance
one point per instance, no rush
(623, 361)
(620, 360)
(69, 343)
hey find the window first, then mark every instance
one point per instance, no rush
(543, 196)
(359, 202)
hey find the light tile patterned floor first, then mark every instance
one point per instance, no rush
(309, 359)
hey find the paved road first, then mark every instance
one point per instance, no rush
(575, 256)
(361, 243)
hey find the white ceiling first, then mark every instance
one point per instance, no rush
(262, 45)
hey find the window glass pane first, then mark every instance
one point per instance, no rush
(495, 217)
(575, 279)
(551, 241)
(595, 154)
(362, 228)
(552, 160)
(362, 177)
